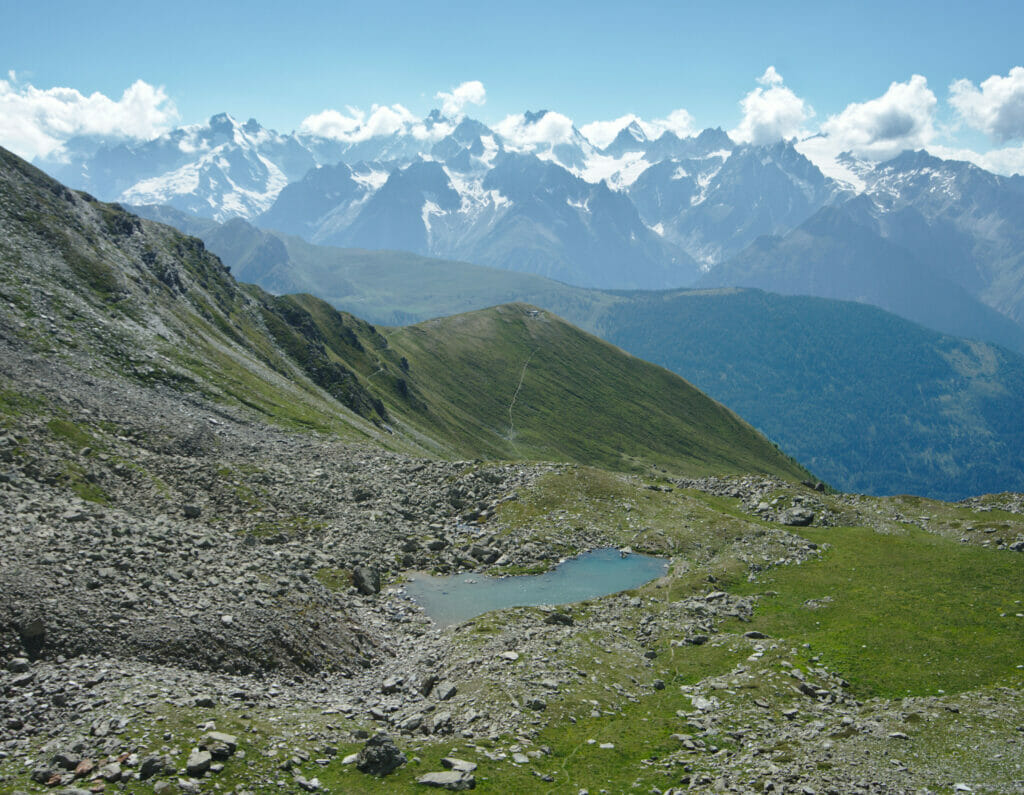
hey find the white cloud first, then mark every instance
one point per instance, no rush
(1007, 161)
(770, 77)
(771, 113)
(333, 124)
(469, 93)
(357, 125)
(550, 129)
(678, 121)
(602, 133)
(883, 127)
(996, 109)
(36, 122)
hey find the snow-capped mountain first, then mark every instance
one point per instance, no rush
(221, 169)
(533, 194)
(967, 222)
(715, 205)
(490, 206)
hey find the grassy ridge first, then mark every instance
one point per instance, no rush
(518, 382)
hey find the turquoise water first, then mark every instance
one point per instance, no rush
(456, 598)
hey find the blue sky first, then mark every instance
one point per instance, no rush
(590, 61)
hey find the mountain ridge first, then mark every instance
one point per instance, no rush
(147, 301)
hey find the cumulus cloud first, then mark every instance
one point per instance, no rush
(469, 93)
(883, 127)
(770, 77)
(602, 133)
(356, 125)
(771, 112)
(522, 133)
(1006, 161)
(37, 122)
(996, 108)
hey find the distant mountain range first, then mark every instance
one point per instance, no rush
(939, 242)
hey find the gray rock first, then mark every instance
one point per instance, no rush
(191, 511)
(797, 516)
(366, 580)
(445, 691)
(428, 684)
(66, 759)
(199, 762)
(154, 766)
(557, 618)
(380, 756)
(453, 780)
(458, 765)
(18, 665)
(310, 785)
(220, 745)
(42, 775)
(110, 772)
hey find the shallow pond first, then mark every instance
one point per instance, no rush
(456, 598)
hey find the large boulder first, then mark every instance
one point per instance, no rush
(454, 780)
(797, 516)
(366, 580)
(380, 756)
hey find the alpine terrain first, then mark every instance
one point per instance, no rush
(213, 497)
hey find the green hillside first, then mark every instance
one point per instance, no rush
(144, 301)
(522, 383)
(868, 401)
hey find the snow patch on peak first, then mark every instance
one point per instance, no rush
(843, 168)
(491, 150)
(618, 172)
(473, 198)
(430, 208)
(370, 179)
(636, 131)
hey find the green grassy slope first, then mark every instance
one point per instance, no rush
(520, 382)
